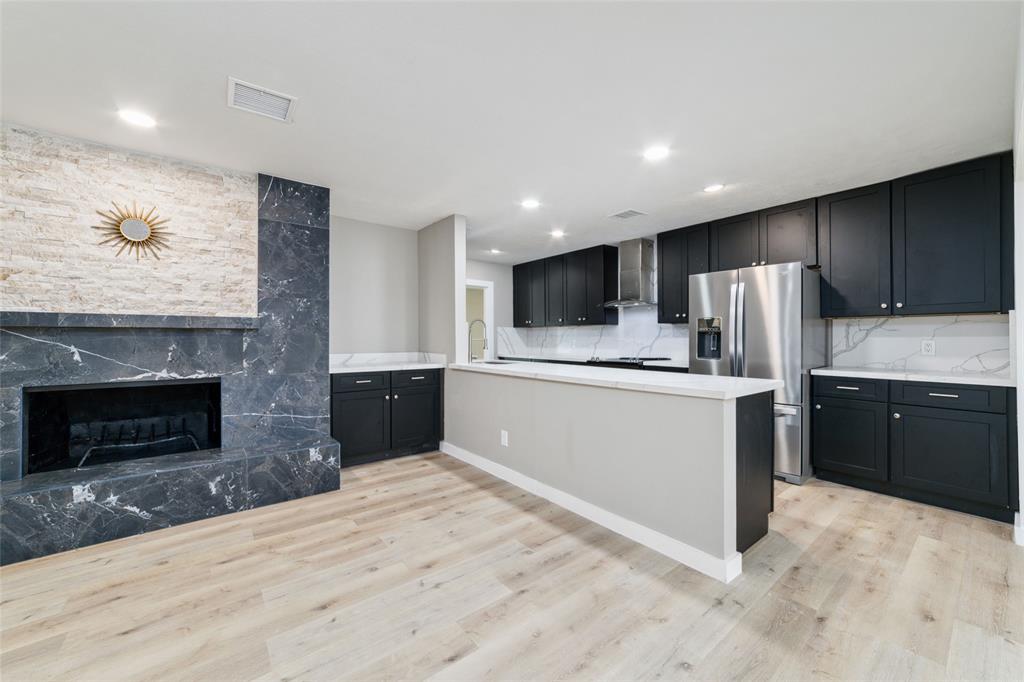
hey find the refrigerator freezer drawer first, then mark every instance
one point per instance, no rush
(789, 441)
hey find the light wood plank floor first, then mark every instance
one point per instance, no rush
(425, 567)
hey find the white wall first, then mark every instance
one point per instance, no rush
(501, 275)
(442, 295)
(374, 288)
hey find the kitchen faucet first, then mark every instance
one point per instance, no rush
(471, 337)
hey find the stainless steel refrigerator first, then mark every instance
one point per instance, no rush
(764, 322)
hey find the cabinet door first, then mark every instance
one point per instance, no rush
(734, 242)
(538, 275)
(520, 295)
(575, 286)
(849, 437)
(789, 233)
(853, 229)
(671, 276)
(415, 416)
(951, 452)
(681, 253)
(361, 422)
(946, 240)
(554, 283)
(602, 284)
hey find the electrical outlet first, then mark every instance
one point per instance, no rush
(927, 346)
(504, 438)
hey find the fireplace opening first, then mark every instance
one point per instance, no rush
(68, 427)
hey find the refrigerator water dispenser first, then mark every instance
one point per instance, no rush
(709, 338)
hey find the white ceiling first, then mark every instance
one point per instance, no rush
(412, 112)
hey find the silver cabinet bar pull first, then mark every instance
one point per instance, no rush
(364, 381)
(944, 395)
(848, 388)
(416, 378)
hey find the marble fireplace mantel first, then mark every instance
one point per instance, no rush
(14, 319)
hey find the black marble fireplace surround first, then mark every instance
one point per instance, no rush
(274, 397)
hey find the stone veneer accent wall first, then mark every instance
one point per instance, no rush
(51, 261)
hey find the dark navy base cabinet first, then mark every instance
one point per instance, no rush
(950, 445)
(379, 415)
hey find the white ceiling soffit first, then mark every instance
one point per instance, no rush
(413, 111)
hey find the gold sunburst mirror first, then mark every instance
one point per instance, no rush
(134, 229)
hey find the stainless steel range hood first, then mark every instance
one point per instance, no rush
(636, 274)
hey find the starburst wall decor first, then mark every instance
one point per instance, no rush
(135, 230)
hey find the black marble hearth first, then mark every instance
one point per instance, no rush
(275, 397)
(60, 510)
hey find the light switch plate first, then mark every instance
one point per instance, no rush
(927, 346)
(504, 438)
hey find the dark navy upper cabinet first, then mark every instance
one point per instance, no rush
(681, 253)
(946, 240)
(529, 295)
(568, 289)
(854, 233)
(734, 242)
(554, 284)
(789, 233)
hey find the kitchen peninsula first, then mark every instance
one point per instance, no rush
(697, 488)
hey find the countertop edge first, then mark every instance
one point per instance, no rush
(640, 386)
(387, 367)
(922, 376)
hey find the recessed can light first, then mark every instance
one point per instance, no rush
(714, 188)
(557, 234)
(136, 118)
(495, 251)
(656, 153)
(530, 203)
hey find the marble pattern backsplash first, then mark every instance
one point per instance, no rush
(968, 344)
(638, 333)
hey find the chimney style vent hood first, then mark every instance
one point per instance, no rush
(636, 274)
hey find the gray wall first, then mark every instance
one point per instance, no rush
(501, 275)
(442, 275)
(374, 288)
(602, 445)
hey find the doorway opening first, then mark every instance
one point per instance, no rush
(480, 308)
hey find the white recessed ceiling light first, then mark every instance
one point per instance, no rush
(557, 234)
(656, 153)
(714, 188)
(495, 251)
(530, 203)
(136, 118)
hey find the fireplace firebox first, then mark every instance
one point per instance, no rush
(69, 427)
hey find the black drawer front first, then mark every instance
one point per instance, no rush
(418, 377)
(849, 387)
(359, 382)
(952, 396)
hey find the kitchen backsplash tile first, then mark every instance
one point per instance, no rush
(969, 344)
(637, 334)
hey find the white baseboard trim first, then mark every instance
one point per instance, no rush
(719, 569)
(1018, 528)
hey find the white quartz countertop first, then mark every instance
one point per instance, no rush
(694, 385)
(383, 366)
(683, 364)
(916, 375)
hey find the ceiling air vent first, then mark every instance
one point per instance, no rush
(627, 214)
(259, 100)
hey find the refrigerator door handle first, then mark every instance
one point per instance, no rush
(741, 335)
(732, 329)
